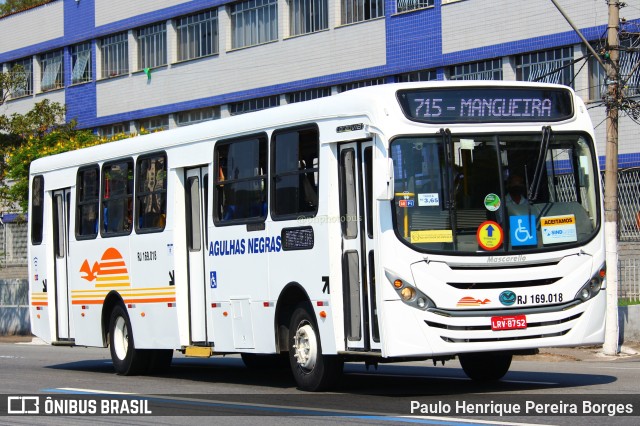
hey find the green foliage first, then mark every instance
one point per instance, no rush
(38, 133)
(11, 6)
(628, 301)
(9, 81)
(18, 159)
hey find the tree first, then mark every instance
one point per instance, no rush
(10, 81)
(11, 6)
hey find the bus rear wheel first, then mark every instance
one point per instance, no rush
(312, 370)
(127, 360)
(485, 366)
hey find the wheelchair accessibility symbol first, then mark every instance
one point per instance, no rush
(523, 230)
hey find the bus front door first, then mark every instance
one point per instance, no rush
(60, 214)
(356, 211)
(196, 214)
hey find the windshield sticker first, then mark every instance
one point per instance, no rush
(523, 230)
(406, 203)
(430, 199)
(489, 235)
(492, 202)
(558, 229)
(432, 236)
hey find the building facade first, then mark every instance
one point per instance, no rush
(123, 65)
(120, 65)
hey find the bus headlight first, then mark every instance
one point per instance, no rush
(593, 286)
(409, 294)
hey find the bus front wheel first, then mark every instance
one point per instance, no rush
(312, 370)
(127, 360)
(485, 366)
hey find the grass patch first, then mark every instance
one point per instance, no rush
(625, 301)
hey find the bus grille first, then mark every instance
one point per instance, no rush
(504, 284)
(484, 328)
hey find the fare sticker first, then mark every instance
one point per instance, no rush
(558, 229)
(432, 236)
(489, 235)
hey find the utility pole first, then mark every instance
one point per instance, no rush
(611, 180)
(612, 102)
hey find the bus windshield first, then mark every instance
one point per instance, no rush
(498, 193)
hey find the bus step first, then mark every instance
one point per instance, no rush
(198, 351)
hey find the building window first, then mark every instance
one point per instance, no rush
(548, 66)
(307, 95)
(88, 198)
(197, 35)
(25, 68)
(81, 63)
(307, 16)
(295, 172)
(152, 46)
(407, 5)
(185, 118)
(115, 55)
(151, 193)
(425, 75)
(626, 62)
(155, 124)
(250, 105)
(254, 22)
(51, 66)
(111, 130)
(361, 10)
(117, 197)
(359, 84)
(485, 70)
(240, 184)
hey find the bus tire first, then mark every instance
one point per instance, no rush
(127, 360)
(265, 361)
(312, 370)
(160, 360)
(485, 366)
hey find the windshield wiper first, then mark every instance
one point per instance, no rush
(449, 161)
(532, 191)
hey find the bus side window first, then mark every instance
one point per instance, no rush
(151, 193)
(87, 202)
(240, 187)
(117, 197)
(295, 172)
(37, 210)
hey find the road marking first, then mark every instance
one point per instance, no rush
(615, 368)
(528, 382)
(286, 409)
(400, 376)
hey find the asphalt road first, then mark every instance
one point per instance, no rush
(224, 391)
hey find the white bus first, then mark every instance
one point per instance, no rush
(398, 222)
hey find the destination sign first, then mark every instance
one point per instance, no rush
(486, 104)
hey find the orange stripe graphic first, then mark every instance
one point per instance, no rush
(34, 303)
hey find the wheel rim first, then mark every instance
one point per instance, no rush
(305, 347)
(121, 338)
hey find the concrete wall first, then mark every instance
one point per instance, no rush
(32, 26)
(629, 323)
(14, 307)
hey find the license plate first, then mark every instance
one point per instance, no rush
(512, 322)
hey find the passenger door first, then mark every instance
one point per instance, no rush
(61, 219)
(356, 211)
(196, 205)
